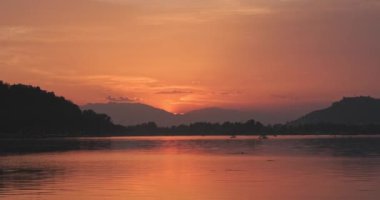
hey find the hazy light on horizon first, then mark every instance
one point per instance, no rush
(183, 55)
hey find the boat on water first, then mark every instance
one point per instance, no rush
(263, 137)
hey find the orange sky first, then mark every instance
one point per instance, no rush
(183, 55)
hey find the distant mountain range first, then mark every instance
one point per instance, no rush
(132, 113)
(136, 113)
(350, 110)
(27, 111)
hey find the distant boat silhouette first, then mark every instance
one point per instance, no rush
(263, 137)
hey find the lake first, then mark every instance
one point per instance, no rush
(191, 167)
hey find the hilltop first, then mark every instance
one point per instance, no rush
(28, 111)
(362, 110)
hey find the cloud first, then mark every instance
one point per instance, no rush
(175, 92)
(123, 99)
(88, 50)
(7, 32)
(226, 93)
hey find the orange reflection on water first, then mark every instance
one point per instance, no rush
(169, 169)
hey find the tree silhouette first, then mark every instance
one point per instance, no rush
(27, 111)
(30, 111)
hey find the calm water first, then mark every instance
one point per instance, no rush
(196, 168)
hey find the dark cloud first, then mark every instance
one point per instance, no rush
(123, 99)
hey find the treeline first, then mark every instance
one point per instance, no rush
(252, 127)
(325, 128)
(27, 111)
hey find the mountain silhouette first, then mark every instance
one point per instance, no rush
(350, 110)
(132, 113)
(30, 111)
(135, 113)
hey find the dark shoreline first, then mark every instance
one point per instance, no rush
(176, 135)
(360, 144)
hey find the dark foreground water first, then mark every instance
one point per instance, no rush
(194, 168)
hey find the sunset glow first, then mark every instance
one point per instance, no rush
(184, 55)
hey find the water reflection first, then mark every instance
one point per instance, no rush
(345, 146)
(24, 146)
(25, 179)
(178, 168)
(152, 144)
(209, 145)
(349, 146)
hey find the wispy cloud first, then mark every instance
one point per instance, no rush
(9, 32)
(175, 92)
(240, 51)
(123, 99)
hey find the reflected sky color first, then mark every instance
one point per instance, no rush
(183, 55)
(187, 168)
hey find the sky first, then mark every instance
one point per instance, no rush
(267, 55)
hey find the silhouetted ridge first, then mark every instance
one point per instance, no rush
(129, 114)
(349, 110)
(29, 111)
(132, 113)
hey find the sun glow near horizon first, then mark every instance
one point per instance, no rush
(185, 55)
